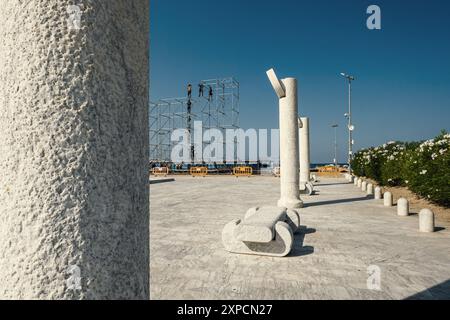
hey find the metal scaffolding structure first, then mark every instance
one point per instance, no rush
(216, 106)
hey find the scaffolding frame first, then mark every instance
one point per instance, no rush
(219, 111)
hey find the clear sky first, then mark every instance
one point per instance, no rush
(402, 91)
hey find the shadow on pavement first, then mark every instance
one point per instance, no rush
(161, 181)
(438, 292)
(298, 249)
(324, 203)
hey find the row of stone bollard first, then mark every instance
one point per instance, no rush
(426, 216)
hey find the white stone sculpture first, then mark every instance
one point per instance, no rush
(269, 231)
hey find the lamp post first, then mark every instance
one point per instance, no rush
(335, 126)
(348, 115)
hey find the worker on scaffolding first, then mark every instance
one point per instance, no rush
(201, 88)
(189, 90)
(210, 93)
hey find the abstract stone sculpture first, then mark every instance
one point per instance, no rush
(370, 189)
(267, 231)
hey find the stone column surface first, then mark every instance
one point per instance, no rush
(304, 152)
(289, 151)
(74, 201)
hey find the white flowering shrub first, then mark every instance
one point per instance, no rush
(422, 167)
(427, 170)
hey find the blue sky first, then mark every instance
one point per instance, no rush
(402, 91)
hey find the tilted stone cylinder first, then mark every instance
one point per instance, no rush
(74, 200)
(403, 207)
(388, 199)
(378, 193)
(426, 221)
(267, 231)
(289, 146)
(370, 189)
(364, 186)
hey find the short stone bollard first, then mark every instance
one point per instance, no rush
(378, 194)
(426, 221)
(355, 181)
(388, 199)
(402, 207)
(364, 186)
(370, 189)
(351, 178)
(359, 183)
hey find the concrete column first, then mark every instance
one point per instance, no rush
(289, 147)
(305, 161)
(360, 181)
(426, 221)
(370, 189)
(378, 194)
(388, 199)
(74, 200)
(355, 181)
(364, 186)
(403, 207)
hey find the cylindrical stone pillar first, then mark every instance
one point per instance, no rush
(304, 152)
(388, 199)
(289, 147)
(378, 193)
(364, 186)
(355, 181)
(426, 221)
(360, 181)
(402, 207)
(74, 200)
(370, 189)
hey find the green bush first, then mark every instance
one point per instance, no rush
(423, 167)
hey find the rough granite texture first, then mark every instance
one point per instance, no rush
(74, 149)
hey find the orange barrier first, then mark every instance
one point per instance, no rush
(330, 171)
(199, 171)
(242, 172)
(160, 171)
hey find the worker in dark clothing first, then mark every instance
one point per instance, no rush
(201, 87)
(210, 93)
(189, 89)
